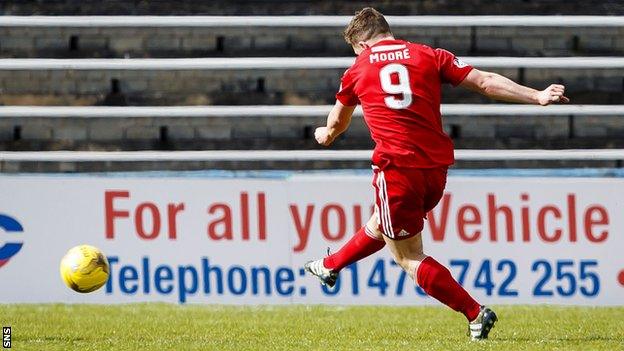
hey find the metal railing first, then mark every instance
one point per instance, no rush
(307, 21)
(242, 63)
(297, 155)
(291, 111)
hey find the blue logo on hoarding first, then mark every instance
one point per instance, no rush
(10, 225)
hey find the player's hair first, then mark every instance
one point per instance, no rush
(366, 24)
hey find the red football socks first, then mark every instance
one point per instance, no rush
(437, 281)
(361, 245)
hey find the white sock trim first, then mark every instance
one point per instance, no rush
(416, 272)
(370, 233)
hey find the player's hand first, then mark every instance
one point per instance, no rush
(552, 95)
(322, 136)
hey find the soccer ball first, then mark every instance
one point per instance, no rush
(84, 268)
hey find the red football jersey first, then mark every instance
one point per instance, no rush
(398, 84)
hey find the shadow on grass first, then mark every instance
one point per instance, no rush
(562, 339)
(64, 339)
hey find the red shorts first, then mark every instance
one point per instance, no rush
(403, 196)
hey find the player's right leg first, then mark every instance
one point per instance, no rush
(364, 243)
(404, 196)
(437, 281)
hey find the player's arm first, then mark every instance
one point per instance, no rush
(497, 87)
(338, 121)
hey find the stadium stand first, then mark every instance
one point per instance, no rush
(594, 85)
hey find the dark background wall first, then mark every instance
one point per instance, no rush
(287, 87)
(301, 7)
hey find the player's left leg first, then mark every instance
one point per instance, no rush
(364, 243)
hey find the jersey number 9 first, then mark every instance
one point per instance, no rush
(401, 88)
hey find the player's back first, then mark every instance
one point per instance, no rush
(398, 84)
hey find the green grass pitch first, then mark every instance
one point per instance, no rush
(172, 327)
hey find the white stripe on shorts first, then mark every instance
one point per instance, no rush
(386, 201)
(385, 188)
(382, 208)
